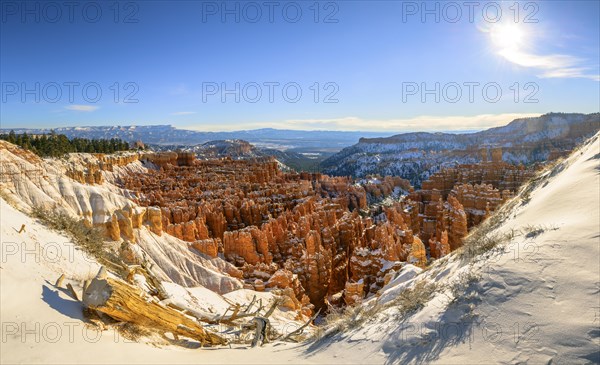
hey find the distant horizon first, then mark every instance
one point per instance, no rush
(371, 131)
(245, 130)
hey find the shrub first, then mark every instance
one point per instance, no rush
(460, 286)
(350, 317)
(89, 239)
(414, 298)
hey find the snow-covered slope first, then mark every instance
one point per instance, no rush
(29, 181)
(534, 300)
(43, 324)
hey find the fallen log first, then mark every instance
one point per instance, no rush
(127, 303)
(251, 304)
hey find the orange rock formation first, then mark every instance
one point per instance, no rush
(265, 221)
(311, 236)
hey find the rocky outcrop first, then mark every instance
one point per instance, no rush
(90, 176)
(322, 231)
(454, 223)
(247, 245)
(231, 148)
(154, 220)
(185, 158)
(89, 171)
(264, 221)
(456, 199)
(439, 248)
(161, 159)
(28, 182)
(209, 246)
(479, 200)
(499, 175)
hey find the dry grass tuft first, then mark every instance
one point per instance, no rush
(89, 239)
(351, 317)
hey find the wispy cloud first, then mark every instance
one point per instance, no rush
(570, 72)
(531, 60)
(183, 113)
(515, 43)
(420, 123)
(552, 66)
(82, 108)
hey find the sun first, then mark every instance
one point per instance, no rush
(507, 36)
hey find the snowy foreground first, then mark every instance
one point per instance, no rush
(535, 299)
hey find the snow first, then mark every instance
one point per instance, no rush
(175, 261)
(537, 300)
(392, 289)
(42, 324)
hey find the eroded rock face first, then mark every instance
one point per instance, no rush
(500, 175)
(456, 199)
(454, 221)
(209, 246)
(269, 223)
(29, 182)
(441, 248)
(479, 200)
(154, 218)
(310, 232)
(91, 171)
(247, 245)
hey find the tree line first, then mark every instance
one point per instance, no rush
(57, 145)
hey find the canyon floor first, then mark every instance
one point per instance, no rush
(533, 298)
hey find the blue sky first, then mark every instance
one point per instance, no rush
(359, 65)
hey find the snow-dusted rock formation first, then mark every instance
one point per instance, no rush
(29, 181)
(416, 156)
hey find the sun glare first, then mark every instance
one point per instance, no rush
(506, 36)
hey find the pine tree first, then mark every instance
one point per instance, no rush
(11, 137)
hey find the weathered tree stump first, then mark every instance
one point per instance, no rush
(260, 334)
(124, 302)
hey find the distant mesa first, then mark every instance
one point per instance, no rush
(416, 156)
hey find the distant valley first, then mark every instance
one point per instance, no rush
(280, 139)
